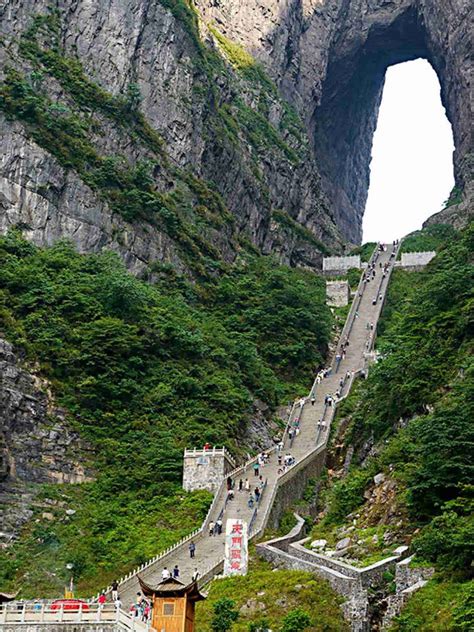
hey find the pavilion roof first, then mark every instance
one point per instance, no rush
(172, 587)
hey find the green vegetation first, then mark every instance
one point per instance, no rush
(281, 600)
(430, 238)
(301, 231)
(417, 406)
(365, 251)
(296, 621)
(225, 615)
(144, 371)
(242, 61)
(111, 533)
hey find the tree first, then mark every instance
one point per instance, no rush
(225, 615)
(296, 621)
(134, 96)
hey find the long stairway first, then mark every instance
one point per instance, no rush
(365, 310)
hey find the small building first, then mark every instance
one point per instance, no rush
(173, 605)
(206, 468)
(337, 293)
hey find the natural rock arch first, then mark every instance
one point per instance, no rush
(344, 120)
(330, 57)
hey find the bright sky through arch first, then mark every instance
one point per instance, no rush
(411, 168)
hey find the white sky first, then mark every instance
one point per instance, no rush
(411, 169)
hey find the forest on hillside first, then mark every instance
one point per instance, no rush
(144, 370)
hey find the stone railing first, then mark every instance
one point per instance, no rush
(214, 451)
(34, 613)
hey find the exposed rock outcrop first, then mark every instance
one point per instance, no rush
(36, 445)
(327, 59)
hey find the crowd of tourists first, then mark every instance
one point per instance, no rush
(140, 608)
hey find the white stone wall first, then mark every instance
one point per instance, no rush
(337, 293)
(417, 259)
(336, 264)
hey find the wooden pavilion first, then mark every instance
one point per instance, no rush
(173, 604)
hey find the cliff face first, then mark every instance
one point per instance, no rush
(329, 59)
(219, 115)
(224, 123)
(36, 445)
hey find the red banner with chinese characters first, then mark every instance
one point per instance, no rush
(236, 548)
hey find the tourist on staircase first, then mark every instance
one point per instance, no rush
(114, 590)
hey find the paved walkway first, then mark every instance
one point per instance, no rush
(210, 550)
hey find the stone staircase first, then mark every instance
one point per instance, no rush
(308, 448)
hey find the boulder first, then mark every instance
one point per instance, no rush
(379, 478)
(252, 606)
(318, 544)
(343, 544)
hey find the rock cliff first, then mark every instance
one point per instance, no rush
(298, 144)
(136, 82)
(36, 444)
(329, 59)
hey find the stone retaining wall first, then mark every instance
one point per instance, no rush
(337, 293)
(293, 484)
(365, 576)
(345, 586)
(341, 264)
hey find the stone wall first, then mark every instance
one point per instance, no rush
(280, 559)
(408, 580)
(341, 264)
(416, 259)
(368, 576)
(293, 484)
(337, 293)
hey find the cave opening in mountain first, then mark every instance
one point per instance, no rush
(345, 118)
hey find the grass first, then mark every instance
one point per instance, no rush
(439, 606)
(279, 592)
